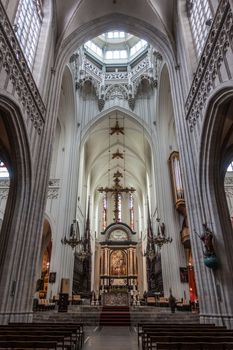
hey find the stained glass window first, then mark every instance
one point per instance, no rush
(105, 211)
(119, 208)
(131, 210)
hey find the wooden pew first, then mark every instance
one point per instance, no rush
(146, 327)
(179, 334)
(19, 345)
(75, 330)
(153, 340)
(63, 338)
(36, 338)
(148, 334)
(195, 346)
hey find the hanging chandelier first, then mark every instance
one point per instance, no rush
(160, 239)
(81, 251)
(79, 245)
(73, 241)
(82, 254)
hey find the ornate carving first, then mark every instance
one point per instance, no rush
(131, 102)
(4, 182)
(116, 91)
(15, 65)
(101, 103)
(115, 85)
(140, 68)
(92, 68)
(218, 41)
(119, 298)
(4, 188)
(116, 76)
(54, 182)
(228, 180)
(52, 193)
(4, 193)
(53, 190)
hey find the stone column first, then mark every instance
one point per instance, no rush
(102, 261)
(134, 262)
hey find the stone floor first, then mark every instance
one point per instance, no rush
(110, 338)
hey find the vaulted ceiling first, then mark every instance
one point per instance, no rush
(134, 162)
(71, 14)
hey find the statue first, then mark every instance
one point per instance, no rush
(207, 239)
(210, 258)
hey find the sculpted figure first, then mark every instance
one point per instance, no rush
(207, 239)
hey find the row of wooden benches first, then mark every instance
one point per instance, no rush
(64, 336)
(184, 336)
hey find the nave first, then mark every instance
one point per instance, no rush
(113, 189)
(114, 338)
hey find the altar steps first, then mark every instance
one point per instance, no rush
(115, 316)
(90, 315)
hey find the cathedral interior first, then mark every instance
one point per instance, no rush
(116, 159)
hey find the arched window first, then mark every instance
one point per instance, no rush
(200, 19)
(27, 26)
(105, 211)
(131, 210)
(119, 207)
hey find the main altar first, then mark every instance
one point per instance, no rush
(116, 298)
(118, 275)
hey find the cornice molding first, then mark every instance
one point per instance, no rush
(53, 188)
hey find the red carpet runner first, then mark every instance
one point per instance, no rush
(115, 316)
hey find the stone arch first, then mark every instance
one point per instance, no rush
(13, 232)
(130, 114)
(137, 27)
(214, 156)
(216, 143)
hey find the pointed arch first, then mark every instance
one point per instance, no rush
(213, 159)
(14, 224)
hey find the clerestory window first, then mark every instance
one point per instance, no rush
(115, 35)
(131, 210)
(105, 211)
(27, 26)
(200, 17)
(119, 207)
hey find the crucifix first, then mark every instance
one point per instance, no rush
(116, 190)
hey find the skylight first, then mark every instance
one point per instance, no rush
(138, 47)
(89, 45)
(116, 54)
(116, 35)
(115, 46)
